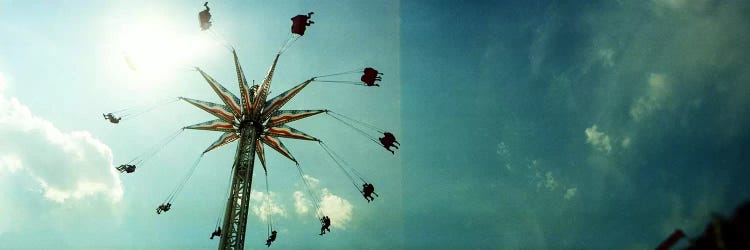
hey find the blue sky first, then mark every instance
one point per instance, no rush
(525, 125)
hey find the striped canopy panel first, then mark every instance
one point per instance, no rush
(289, 132)
(285, 116)
(276, 144)
(214, 125)
(275, 104)
(225, 139)
(227, 97)
(244, 89)
(218, 110)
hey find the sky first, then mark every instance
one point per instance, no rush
(523, 124)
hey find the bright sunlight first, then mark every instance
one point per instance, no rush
(155, 50)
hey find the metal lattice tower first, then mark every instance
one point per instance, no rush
(235, 216)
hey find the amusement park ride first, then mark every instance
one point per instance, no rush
(253, 121)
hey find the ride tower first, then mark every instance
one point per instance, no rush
(255, 122)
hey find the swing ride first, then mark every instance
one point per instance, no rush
(256, 123)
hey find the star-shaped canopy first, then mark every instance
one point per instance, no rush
(253, 106)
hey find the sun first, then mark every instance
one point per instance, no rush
(154, 50)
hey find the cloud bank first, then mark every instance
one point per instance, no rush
(266, 205)
(41, 163)
(599, 140)
(301, 204)
(339, 209)
(335, 207)
(657, 91)
(570, 193)
(65, 165)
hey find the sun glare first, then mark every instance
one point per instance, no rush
(156, 51)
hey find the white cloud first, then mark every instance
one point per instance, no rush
(311, 180)
(337, 208)
(626, 142)
(502, 150)
(83, 189)
(264, 205)
(549, 181)
(570, 193)
(301, 204)
(11, 163)
(40, 164)
(504, 153)
(657, 92)
(599, 140)
(74, 164)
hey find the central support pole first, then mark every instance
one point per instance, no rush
(235, 216)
